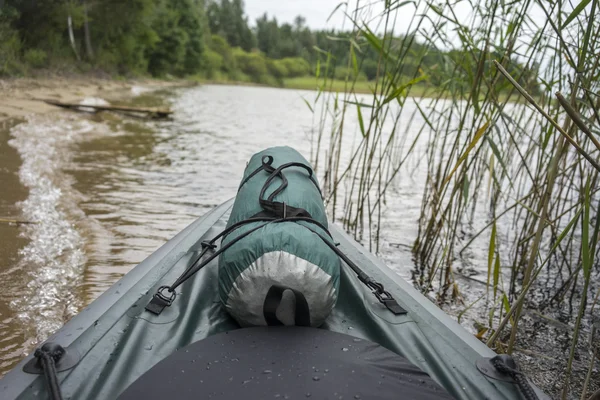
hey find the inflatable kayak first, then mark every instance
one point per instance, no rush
(175, 326)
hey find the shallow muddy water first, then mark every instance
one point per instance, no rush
(105, 191)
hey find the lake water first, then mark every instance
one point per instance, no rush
(106, 191)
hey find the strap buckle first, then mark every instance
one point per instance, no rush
(160, 300)
(207, 244)
(386, 298)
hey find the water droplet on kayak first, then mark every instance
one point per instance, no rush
(235, 359)
(316, 369)
(350, 328)
(207, 367)
(357, 396)
(356, 340)
(277, 396)
(267, 371)
(182, 371)
(148, 346)
(316, 378)
(308, 395)
(326, 370)
(247, 381)
(344, 349)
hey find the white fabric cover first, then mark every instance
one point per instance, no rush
(246, 298)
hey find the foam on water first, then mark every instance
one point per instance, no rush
(53, 260)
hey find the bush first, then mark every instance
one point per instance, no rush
(239, 76)
(270, 80)
(370, 69)
(251, 64)
(296, 66)
(35, 58)
(220, 46)
(10, 43)
(212, 62)
(343, 73)
(277, 68)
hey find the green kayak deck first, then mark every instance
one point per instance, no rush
(117, 341)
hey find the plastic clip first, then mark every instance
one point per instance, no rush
(206, 244)
(160, 301)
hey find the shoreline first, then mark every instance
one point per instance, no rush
(20, 97)
(309, 83)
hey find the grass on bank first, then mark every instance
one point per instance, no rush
(366, 87)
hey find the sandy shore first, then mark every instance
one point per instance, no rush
(20, 97)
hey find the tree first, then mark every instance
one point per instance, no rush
(228, 20)
(267, 36)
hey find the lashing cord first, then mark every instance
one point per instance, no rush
(517, 376)
(48, 355)
(273, 212)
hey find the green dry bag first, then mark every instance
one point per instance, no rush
(279, 270)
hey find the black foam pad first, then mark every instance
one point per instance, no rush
(287, 363)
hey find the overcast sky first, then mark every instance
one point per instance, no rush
(316, 13)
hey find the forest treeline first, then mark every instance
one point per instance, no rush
(210, 39)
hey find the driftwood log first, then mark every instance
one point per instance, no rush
(152, 112)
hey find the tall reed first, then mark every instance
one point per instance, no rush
(494, 140)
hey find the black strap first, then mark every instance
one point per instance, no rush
(266, 165)
(160, 300)
(379, 291)
(273, 212)
(48, 355)
(211, 244)
(256, 171)
(507, 365)
(273, 300)
(282, 210)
